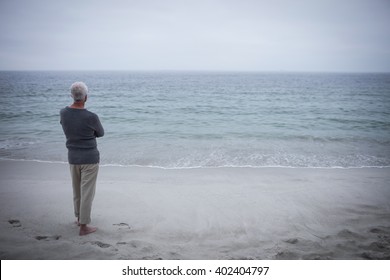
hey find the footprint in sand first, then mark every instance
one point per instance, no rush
(101, 244)
(15, 223)
(132, 243)
(47, 238)
(122, 225)
(292, 240)
(153, 257)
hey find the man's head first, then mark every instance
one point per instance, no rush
(79, 91)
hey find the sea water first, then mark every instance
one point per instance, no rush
(205, 119)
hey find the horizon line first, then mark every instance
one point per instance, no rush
(199, 70)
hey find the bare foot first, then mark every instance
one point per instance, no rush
(84, 229)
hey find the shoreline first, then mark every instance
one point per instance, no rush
(205, 213)
(198, 167)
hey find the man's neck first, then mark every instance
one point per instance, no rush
(77, 105)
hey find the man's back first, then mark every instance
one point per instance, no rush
(81, 127)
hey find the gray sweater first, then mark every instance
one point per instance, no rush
(81, 127)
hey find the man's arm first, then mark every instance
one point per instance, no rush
(99, 130)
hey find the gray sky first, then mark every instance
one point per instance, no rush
(241, 35)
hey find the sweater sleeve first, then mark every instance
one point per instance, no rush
(99, 130)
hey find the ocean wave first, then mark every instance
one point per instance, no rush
(197, 167)
(239, 166)
(32, 160)
(194, 120)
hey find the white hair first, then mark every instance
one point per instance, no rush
(79, 91)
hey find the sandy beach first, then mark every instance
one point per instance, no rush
(213, 213)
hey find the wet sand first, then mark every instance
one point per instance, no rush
(215, 213)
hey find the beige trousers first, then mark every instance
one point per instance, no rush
(84, 184)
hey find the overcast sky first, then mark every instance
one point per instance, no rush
(230, 35)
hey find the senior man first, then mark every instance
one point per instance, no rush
(81, 127)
